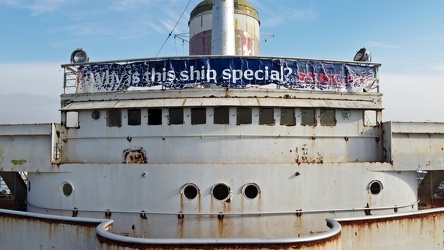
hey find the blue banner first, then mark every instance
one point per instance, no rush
(232, 72)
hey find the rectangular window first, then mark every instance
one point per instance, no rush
(72, 119)
(243, 116)
(370, 119)
(266, 116)
(198, 115)
(175, 116)
(221, 115)
(308, 117)
(134, 117)
(328, 117)
(154, 116)
(287, 117)
(114, 118)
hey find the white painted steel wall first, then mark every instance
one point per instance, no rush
(202, 22)
(319, 190)
(25, 147)
(187, 143)
(247, 35)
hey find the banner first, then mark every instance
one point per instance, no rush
(230, 72)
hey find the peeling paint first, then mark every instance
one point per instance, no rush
(18, 162)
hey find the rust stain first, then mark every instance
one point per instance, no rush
(402, 219)
(134, 156)
(306, 157)
(220, 220)
(367, 211)
(108, 214)
(75, 212)
(143, 215)
(299, 212)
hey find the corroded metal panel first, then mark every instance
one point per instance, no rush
(417, 230)
(22, 230)
(414, 230)
(329, 239)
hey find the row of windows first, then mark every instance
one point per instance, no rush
(175, 116)
(221, 116)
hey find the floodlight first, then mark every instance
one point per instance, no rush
(79, 56)
(363, 55)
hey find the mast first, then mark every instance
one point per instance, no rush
(223, 35)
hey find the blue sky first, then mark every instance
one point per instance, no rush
(36, 36)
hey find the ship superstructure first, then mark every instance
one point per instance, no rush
(222, 151)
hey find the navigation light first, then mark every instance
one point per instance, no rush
(363, 55)
(79, 56)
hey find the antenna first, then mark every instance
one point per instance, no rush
(267, 36)
(169, 35)
(183, 37)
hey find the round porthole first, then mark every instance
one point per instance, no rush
(375, 187)
(95, 114)
(251, 190)
(221, 192)
(67, 188)
(190, 191)
(346, 114)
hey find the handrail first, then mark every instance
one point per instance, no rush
(333, 210)
(376, 64)
(102, 230)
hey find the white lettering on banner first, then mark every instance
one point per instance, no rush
(235, 75)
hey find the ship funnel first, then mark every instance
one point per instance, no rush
(231, 30)
(223, 33)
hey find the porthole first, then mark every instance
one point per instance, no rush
(221, 192)
(375, 187)
(189, 191)
(251, 191)
(67, 188)
(95, 114)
